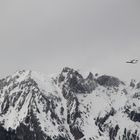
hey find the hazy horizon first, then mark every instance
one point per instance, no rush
(91, 35)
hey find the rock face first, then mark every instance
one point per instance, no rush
(68, 107)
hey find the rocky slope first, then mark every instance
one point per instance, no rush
(68, 106)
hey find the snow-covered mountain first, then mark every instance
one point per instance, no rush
(68, 106)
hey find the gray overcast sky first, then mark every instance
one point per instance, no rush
(92, 35)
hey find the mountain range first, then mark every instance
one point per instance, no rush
(68, 106)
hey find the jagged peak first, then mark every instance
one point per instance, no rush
(68, 73)
(22, 71)
(84, 75)
(75, 82)
(67, 69)
(21, 75)
(90, 76)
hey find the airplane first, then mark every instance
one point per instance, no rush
(134, 61)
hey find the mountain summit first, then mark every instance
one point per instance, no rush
(68, 106)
